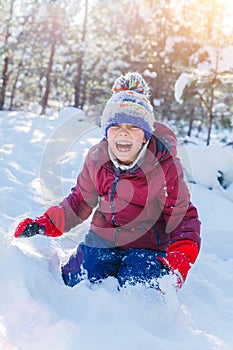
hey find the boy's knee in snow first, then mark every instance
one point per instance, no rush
(72, 271)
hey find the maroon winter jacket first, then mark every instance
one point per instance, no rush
(145, 207)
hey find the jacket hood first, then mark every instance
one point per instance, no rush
(162, 146)
(166, 141)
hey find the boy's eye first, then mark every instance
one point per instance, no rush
(128, 126)
(133, 127)
(117, 126)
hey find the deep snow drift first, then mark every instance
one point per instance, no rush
(40, 158)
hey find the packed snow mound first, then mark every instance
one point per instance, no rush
(208, 166)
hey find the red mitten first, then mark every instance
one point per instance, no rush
(51, 223)
(181, 255)
(22, 228)
(56, 216)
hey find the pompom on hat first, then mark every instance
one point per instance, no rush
(129, 104)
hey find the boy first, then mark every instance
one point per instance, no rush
(144, 225)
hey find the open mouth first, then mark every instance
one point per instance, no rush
(123, 146)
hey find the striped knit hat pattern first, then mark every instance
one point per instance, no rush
(129, 104)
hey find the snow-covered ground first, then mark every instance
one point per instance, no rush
(40, 157)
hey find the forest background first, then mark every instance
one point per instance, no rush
(68, 53)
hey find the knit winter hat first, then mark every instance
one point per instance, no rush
(129, 104)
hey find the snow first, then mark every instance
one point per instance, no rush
(224, 64)
(183, 80)
(40, 158)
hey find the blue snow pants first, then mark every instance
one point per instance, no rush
(95, 260)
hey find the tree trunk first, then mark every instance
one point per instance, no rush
(14, 87)
(20, 65)
(4, 76)
(211, 117)
(48, 79)
(77, 85)
(84, 94)
(4, 81)
(191, 122)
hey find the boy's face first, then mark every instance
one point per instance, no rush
(125, 141)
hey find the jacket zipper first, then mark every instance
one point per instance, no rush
(157, 235)
(112, 194)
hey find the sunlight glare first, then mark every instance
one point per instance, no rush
(227, 8)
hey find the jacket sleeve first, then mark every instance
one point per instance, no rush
(179, 214)
(182, 224)
(78, 205)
